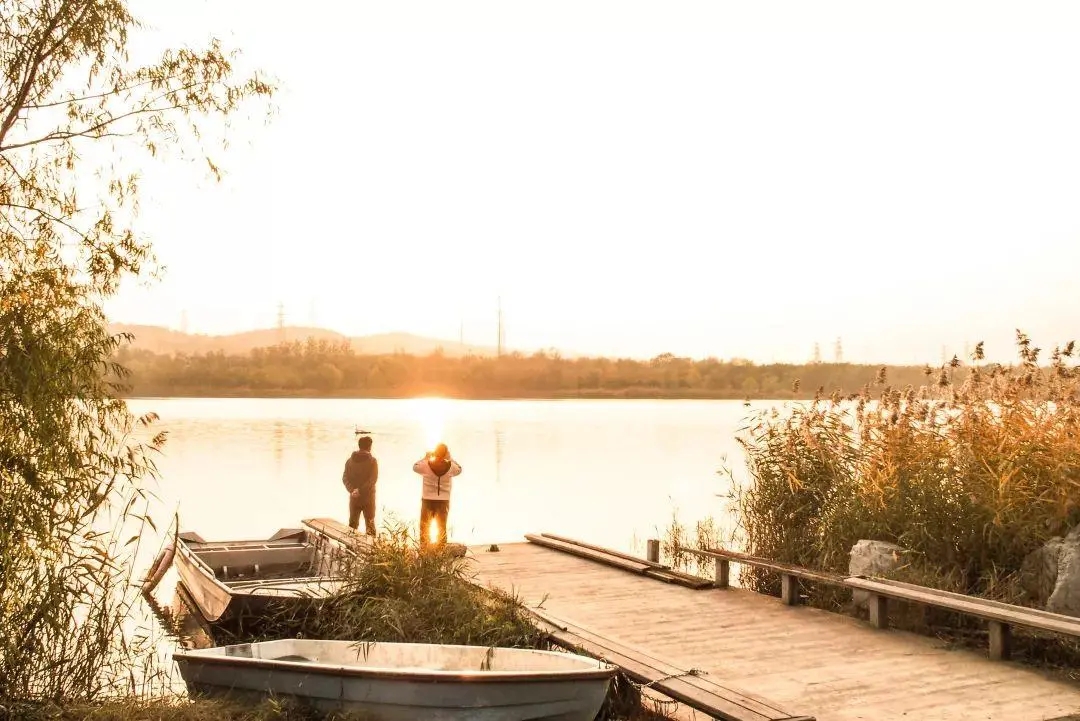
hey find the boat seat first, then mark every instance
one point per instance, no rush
(266, 558)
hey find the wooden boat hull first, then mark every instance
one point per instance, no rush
(399, 681)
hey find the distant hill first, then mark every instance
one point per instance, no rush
(166, 341)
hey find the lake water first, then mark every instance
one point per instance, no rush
(611, 472)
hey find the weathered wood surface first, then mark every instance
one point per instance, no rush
(825, 665)
(776, 566)
(617, 560)
(681, 684)
(979, 607)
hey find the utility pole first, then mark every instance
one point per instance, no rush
(499, 341)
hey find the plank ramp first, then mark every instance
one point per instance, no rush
(684, 685)
(825, 665)
(335, 530)
(617, 560)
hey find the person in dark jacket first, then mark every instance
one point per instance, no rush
(359, 477)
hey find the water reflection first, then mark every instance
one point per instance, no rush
(279, 446)
(602, 471)
(499, 440)
(309, 446)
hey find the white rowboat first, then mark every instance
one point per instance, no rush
(405, 681)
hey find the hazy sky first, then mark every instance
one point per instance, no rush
(703, 178)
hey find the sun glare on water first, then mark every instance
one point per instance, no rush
(430, 414)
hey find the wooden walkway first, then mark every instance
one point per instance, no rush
(819, 664)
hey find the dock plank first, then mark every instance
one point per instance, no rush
(680, 684)
(826, 665)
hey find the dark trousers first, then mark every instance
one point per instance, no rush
(362, 504)
(438, 510)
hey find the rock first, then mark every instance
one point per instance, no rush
(1051, 574)
(1039, 571)
(873, 558)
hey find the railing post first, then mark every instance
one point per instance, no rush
(652, 550)
(1000, 641)
(789, 589)
(879, 610)
(720, 573)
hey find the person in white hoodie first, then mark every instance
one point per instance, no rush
(437, 469)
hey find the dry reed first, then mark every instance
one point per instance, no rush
(970, 473)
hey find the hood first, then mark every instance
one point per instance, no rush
(439, 467)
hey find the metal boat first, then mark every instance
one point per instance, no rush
(399, 681)
(225, 578)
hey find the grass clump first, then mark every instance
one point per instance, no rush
(969, 472)
(395, 591)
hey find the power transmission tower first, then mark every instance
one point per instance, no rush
(281, 322)
(499, 342)
(817, 353)
(838, 352)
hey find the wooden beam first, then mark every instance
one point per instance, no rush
(984, 608)
(789, 589)
(700, 693)
(608, 551)
(652, 552)
(721, 573)
(619, 560)
(777, 566)
(1000, 641)
(879, 610)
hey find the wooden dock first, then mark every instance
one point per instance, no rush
(764, 659)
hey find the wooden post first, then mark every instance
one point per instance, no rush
(789, 589)
(879, 610)
(720, 575)
(652, 550)
(1000, 641)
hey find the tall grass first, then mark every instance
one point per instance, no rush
(969, 472)
(72, 503)
(395, 591)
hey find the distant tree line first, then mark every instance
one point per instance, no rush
(325, 369)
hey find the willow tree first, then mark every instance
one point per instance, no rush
(77, 117)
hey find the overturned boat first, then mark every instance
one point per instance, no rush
(225, 579)
(398, 681)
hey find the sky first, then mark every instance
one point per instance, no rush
(630, 178)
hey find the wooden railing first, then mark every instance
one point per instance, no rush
(1000, 617)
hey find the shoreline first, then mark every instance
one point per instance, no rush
(436, 393)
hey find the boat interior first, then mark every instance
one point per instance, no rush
(290, 553)
(407, 656)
